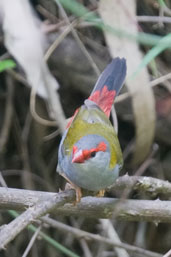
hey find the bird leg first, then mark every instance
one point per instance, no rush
(100, 193)
(71, 185)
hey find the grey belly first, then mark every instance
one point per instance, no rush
(92, 179)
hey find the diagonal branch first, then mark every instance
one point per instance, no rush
(10, 231)
(96, 237)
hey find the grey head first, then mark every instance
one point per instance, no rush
(88, 164)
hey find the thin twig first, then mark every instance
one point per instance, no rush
(40, 120)
(114, 118)
(33, 239)
(26, 128)
(19, 172)
(108, 227)
(23, 149)
(55, 107)
(8, 114)
(168, 254)
(76, 223)
(4, 56)
(89, 236)
(126, 192)
(166, 9)
(153, 83)
(78, 40)
(2, 181)
(154, 19)
(18, 77)
(51, 136)
(59, 39)
(46, 13)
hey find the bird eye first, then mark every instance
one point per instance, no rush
(93, 154)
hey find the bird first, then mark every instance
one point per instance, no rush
(89, 155)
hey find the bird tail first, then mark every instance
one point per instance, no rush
(109, 84)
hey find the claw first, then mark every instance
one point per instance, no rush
(78, 194)
(101, 193)
(77, 189)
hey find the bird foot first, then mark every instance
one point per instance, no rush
(71, 185)
(100, 193)
(78, 194)
(77, 189)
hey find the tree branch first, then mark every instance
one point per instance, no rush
(10, 231)
(39, 203)
(94, 207)
(150, 185)
(89, 236)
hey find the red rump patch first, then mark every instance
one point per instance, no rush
(104, 99)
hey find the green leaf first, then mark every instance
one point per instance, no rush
(155, 51)
(7, 64)
(161, 3)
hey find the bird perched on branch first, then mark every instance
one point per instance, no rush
(89, 155)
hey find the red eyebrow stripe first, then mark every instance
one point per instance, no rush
(86, 154)
(102, 147)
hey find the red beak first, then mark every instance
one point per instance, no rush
(78, 157)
